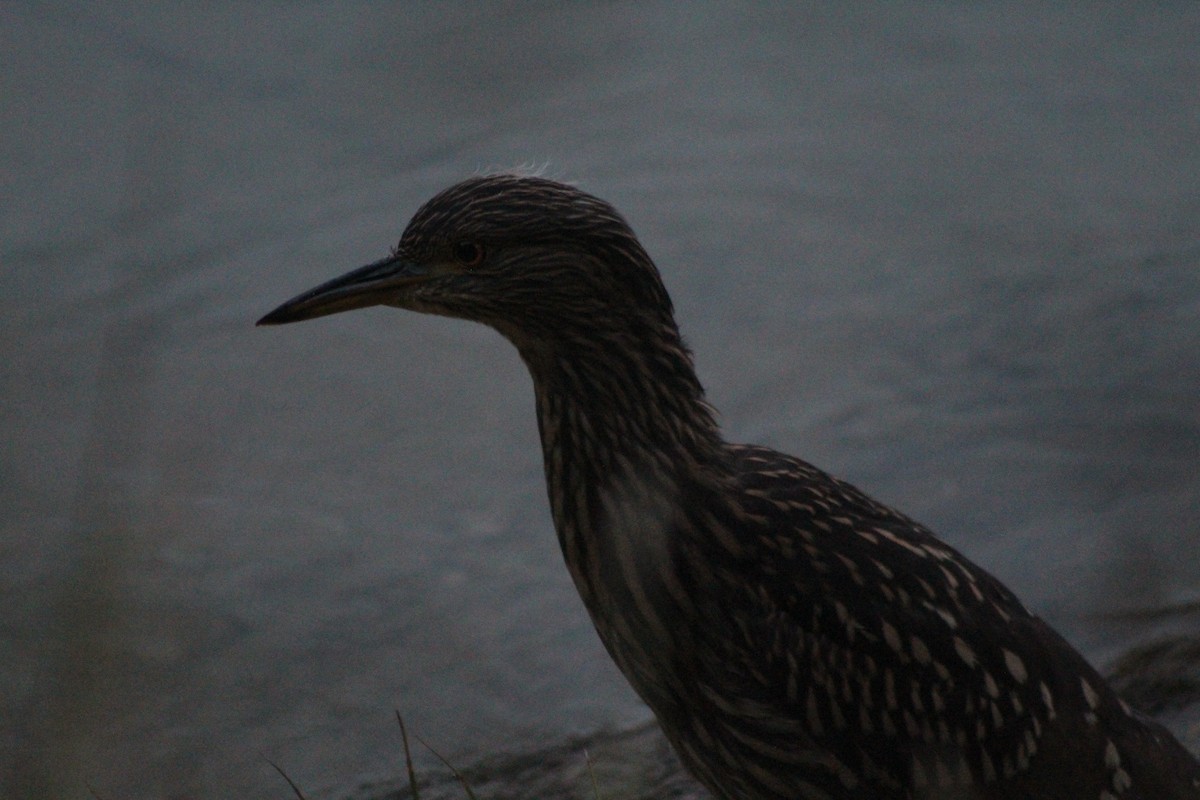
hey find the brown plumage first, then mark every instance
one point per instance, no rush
(795, 638)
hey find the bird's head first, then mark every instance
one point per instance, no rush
(536, 259)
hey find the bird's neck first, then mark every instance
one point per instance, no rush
(626, 435)
(610, 406)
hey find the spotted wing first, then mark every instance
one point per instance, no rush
(875, 648)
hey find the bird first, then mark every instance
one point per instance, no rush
(795, 638)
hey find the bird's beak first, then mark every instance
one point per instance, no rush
(372, 285)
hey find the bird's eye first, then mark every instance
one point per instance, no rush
(468, 254)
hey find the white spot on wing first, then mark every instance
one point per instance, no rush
(892, 637)
(920, 650)
(1121, 780)
(1048, 699)
(1015, 666)
(965, 652)
(1112, 758)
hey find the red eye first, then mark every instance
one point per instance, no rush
(468, 254)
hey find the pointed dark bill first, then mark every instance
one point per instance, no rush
(371, 285)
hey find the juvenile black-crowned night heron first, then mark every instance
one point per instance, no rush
(795, 638)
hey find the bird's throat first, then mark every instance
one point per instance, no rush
(623, 438)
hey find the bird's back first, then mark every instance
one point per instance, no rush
(853, 653)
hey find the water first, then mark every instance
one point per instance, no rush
(951, 253)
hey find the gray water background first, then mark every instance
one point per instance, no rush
(948, 251)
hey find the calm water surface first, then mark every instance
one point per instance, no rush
(949, 252)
